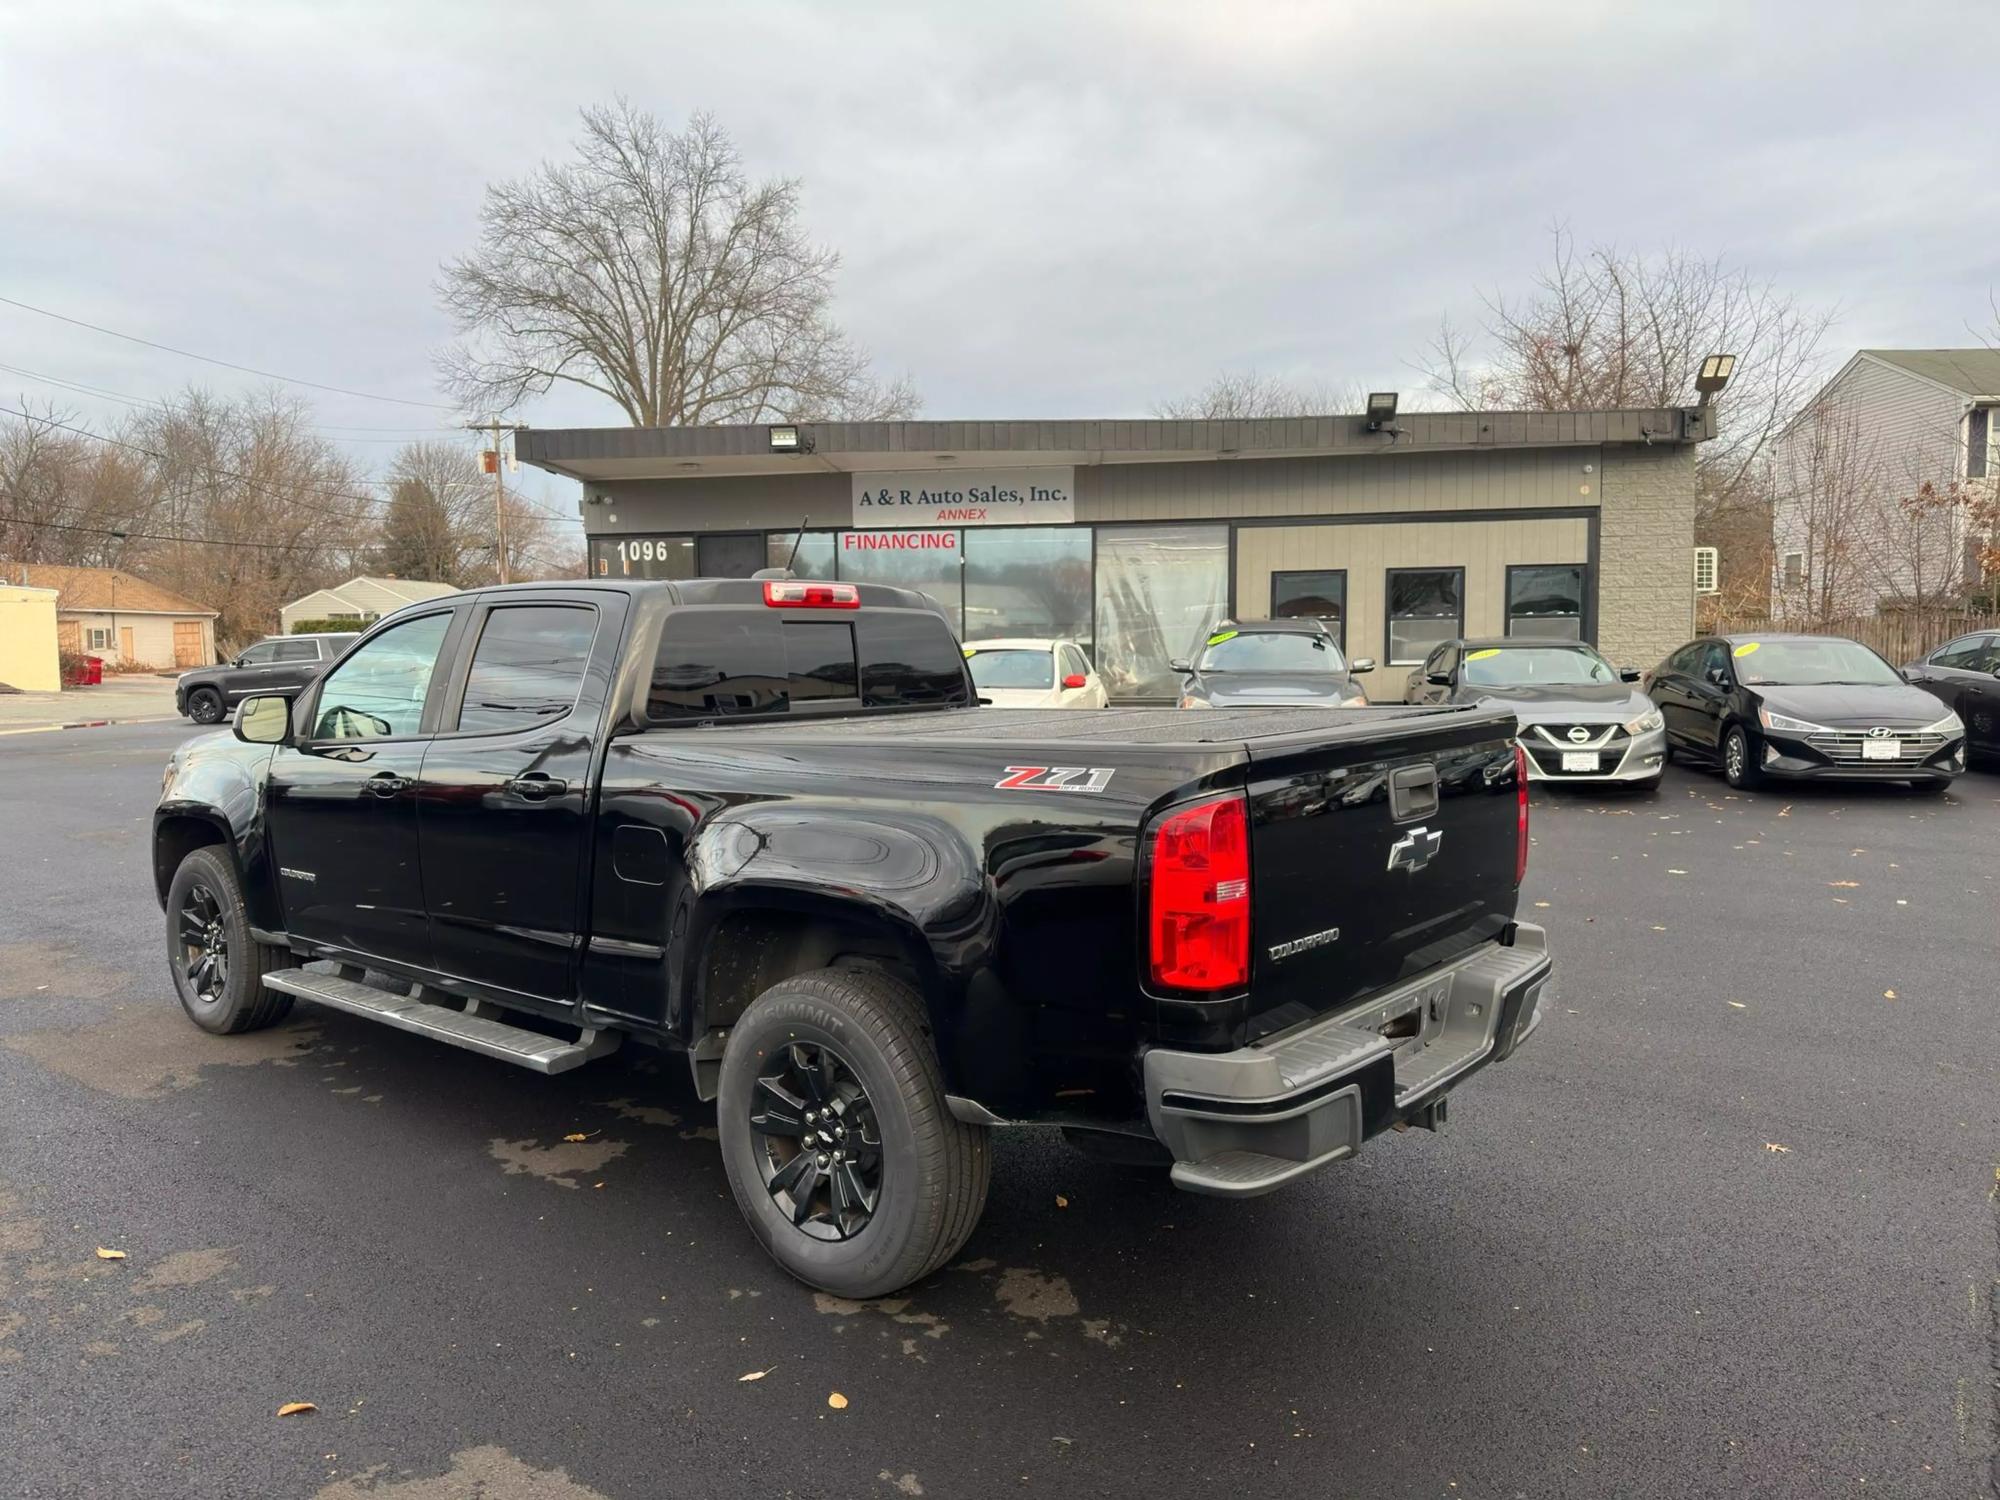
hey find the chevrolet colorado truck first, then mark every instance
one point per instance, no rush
(767, 824)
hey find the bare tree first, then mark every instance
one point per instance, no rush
(1250, 394)
(1609, 328)
(650, 270)
(65, 498)
(1829, 486)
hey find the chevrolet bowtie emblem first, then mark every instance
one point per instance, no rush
(1414, 849)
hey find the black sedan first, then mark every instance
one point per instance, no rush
(1964, 675)
(1580, 718)
(1806, 707)
(1272, 663)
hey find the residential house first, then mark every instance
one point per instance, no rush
(361, 600)
(121, 617)
(1872, 480)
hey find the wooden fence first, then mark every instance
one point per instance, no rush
(1900, 635)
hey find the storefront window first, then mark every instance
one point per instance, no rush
(1027, 581)
(1426, 608)
(1318, 595)
(1160, 589)
(642, 557)
(927, 561)
(815, 553)
(1546, 601)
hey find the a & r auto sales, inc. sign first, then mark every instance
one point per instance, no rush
(966, 497)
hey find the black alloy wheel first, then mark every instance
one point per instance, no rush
(203, 944)
(819, 1145)
(204, 706)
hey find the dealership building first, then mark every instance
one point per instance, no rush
(1137, 537)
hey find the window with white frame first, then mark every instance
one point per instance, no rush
(1793, 569)
(1982, 443)
(1705, 570)
(100, 640)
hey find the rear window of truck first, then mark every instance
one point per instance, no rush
(734, 663)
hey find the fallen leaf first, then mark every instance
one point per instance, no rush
(104, 1254)
(1774, 1146)
(1739, 1005)
(1541, 903)
(578, 1135)
(1658, 928)
(296, 1408)
(1061, 1201)
(1677, 872)
(1844, 885)
(754, 1375)
(1888, 994)
(837, 1401)
(1785, 811)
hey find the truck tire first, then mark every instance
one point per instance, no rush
(218, 967)
(844, 1158)
(205, 706)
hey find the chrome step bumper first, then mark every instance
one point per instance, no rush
(474, 1030)
(1245, 1122)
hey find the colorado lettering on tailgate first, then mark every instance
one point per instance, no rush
(1055, 779)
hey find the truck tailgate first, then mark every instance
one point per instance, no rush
(1374, 857)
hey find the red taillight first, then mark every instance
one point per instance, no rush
(1521, 826)
(1198, 921)
(791, 593)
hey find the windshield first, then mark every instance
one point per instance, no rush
(1012, 669)
(1270, 651)
(1810, 663)
(1510, 666)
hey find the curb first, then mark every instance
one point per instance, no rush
(87, 724)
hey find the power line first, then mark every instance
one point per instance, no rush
(147, 536)
(263, 486)
(338, 390)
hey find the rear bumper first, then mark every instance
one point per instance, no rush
(1245, 1122)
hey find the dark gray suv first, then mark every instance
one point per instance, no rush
(279, 664)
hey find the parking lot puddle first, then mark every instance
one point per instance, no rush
(564, 1163)
(490, 1472)
(152, 1052)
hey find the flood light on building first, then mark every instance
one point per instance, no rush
(1381, 409)
(784, 439)
(1714, 375)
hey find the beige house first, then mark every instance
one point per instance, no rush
(129, 622)
(362, 600)
(28, 639)
(1137, 537)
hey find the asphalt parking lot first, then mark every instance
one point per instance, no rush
(1727, 1226)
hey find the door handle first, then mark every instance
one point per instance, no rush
(536, 786)
(386, 783)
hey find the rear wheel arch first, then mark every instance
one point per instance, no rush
(744, 950)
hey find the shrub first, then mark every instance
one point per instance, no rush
(322, 627)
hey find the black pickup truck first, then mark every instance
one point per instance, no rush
(767, 824)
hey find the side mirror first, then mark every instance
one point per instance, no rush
(1180, 664)
(1362, 664)
(1075, 680)
(264, 720)
(1438, 679)
(1718, 676)
(1629, 674)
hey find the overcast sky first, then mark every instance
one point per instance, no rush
(1044, 210)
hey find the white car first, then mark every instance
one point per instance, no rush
(1026, 673)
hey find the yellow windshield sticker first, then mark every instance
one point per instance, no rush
(971, 651)
(1482, 655)
(1222, 635)
(1747, 647)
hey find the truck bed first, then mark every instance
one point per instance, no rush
(1109, 726)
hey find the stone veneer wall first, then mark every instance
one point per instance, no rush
(1645, 579)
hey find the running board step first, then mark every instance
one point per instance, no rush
(474, 1032)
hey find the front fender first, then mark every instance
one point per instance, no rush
(214, 794)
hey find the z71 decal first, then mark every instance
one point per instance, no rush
(1055, 779)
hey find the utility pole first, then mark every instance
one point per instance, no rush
(493, 426)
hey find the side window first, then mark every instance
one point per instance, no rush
(295, 651)
(1964, 654)
(379, 691)
(527, 666)
(1715, 655)
(717, 662)
(260, 655)
(1687, 660)
(1073, 664)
